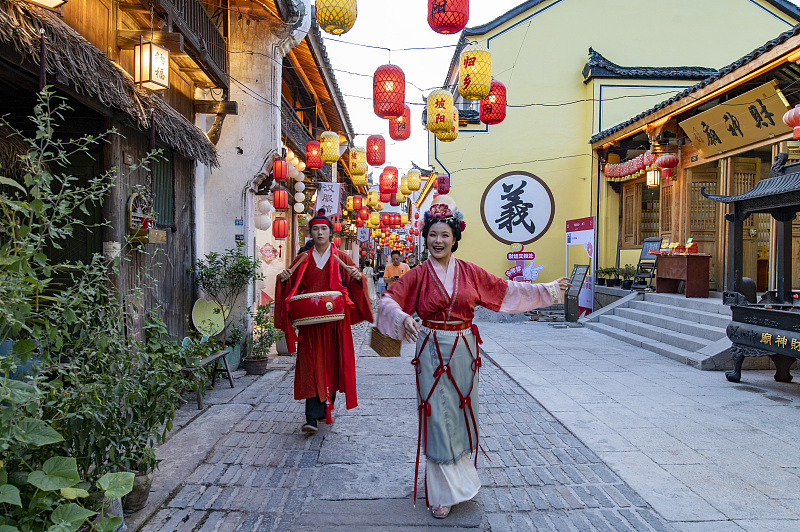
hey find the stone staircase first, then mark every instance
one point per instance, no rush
(689, 330)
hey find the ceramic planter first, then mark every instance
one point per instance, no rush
(234, 356)
(137, 498)
(255, 366)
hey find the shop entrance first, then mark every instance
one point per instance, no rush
(745, 173)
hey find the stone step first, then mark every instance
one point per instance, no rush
(654, 332)
(661, 348)
(691, 327)
(711, 305)
(713, 319)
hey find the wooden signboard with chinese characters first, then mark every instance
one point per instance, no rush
(754, 116)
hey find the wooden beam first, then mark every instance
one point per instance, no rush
(172, 41)
(301, 73)
(213, 107)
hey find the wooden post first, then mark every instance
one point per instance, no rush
(784, 257)
(735, 251)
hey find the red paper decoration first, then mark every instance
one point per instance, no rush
(337, 227)
(792, 119)
(357, 203)
(388, 184)
(386, 198)
(280, 170)
(443, 183)
(416, 232)
(393, 200)
(280, 228)
(388, 91)
(667, 162)
(280, 200)
(359, 222)
(376, 150)
(493, 107)
(400, 127)
(313, 155)
(337, 241)
(416, 216)
(448, 16)
(363, 214)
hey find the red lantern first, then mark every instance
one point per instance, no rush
(363, 214)
(667, 162)
(337, 241)
(388, 183)
(363, 253)
(280, 228)
(493, 107)
(280, 200)
(280, 170)
(393, 201)
(337, 227)
(449, 16)
(376, 150)
(416, 216)
(396, 219)
(388, 91)
(357, 203)
(313, 155)
(385, 198)
(359, 222)
(400, 127)
(792, 119)
(416, 232)
(443, 183)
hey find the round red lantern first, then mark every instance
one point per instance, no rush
(396, 220)
(400, 127)
(280, 228)
(388, 184)
(388, 91)
(449, 16)
(493, 107)
(280, 200)
(667, 162)
(313, 155)
(280, 170)
(337, 241)
(792, 119)
(416, 232)
(443, 183)
(363, 253)
(337, 227)
(416, 216)
(376, 150)
(363, 214)
(386, 198)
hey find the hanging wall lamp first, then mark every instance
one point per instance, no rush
(151, 65)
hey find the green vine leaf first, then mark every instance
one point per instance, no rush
(116, 484)
(10, 495)
(36, 432)
(57, 473)
(69, 517)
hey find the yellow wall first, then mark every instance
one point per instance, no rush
(539, 56)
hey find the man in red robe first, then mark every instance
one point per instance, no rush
(325, 354)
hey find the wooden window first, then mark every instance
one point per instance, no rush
(164, 190)
(703, 212)
(651, 203)
(666, 209)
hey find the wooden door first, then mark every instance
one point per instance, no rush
(745, 173)
(702, 222)
(631, 214)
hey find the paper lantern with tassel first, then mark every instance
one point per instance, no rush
(493, 106)
(448, 16)
(329, 141)
(313, 155)
(280, 170)
(336, 16)
(400, 127)
(440, 111)
(414, 180)
(337, 241)
(337, 227)
(388, 184)
(475, 72)
(376, 150)
(388, 91)
(452, 134)
(280, 228)
(443, 183)
(667, 162)
(280, 200)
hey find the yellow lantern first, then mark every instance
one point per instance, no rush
(414, 180)
(372, 198)
(329, 142)
(358, 162)
(440, 111)
(400, 197)
(336, 16)
(452, 134)
(404, 187)
(374, 219)
(359, 180)
(475, 72)
(379, 206)
(404, 219)
(349, 203)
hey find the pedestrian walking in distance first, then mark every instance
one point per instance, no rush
(325, 355)
(444, 291)
(395, 269)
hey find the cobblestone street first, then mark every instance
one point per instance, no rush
(357, 474)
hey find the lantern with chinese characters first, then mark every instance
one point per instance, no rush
(357, 203)
(443, 183)
(374, 218)
(400, 127)
(358, 161)
(337, 241)
(313, 155)
(493, 106)
(280, 170)
(363, 213)
(448, 16)
(336, 16)
(280, 228)
(389, 180)
(414, 180)
(151, 66)
(376, 150)
(372, 198)
(388, 91)
(440, 111)
(667, 162)
(379, 205)
(451, 135)
(349, 203)
(792, 119)
(329, 142)
(280, 200)
(359, 180)
(404, 186)
(475, 72)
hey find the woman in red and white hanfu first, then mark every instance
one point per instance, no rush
(443, 291)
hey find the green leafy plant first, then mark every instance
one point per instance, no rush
(627, 272)
(265, 334)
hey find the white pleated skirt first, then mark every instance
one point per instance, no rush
(450, 484)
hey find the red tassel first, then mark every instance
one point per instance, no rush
(280, 250)
(328, 408)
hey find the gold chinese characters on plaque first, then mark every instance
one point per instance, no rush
(754, 116)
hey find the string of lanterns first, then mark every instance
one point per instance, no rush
(646, 164)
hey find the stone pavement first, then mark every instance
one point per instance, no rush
(704, 453)
(357, 473)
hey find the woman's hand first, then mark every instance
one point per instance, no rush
(410, 329)
(285, 274)
(563, 283)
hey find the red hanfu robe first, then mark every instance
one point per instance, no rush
(325, 354)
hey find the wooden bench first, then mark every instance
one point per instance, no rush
(216, 370)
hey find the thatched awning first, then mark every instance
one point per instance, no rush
(91, 73)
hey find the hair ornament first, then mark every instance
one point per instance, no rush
(443, 209)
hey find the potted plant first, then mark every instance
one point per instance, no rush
(224, 277)
(613, 276)
(600, 277)
(264, 335)
(627, 272)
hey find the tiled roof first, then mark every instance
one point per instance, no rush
(600, 67)
(722, 72)
(779, 191)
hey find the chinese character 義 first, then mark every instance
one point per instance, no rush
(515, 211)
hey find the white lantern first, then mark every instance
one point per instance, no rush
(299, 186)
(301, 166)
(264, 207)
(299, 177)
(299, 208)
(293, 173)
(299, 197)
(151, 65)
(263, 222)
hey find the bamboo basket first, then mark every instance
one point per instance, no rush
(384, 345)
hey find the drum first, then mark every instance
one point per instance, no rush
(316, 307)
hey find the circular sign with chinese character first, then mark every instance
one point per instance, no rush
(517, 207)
